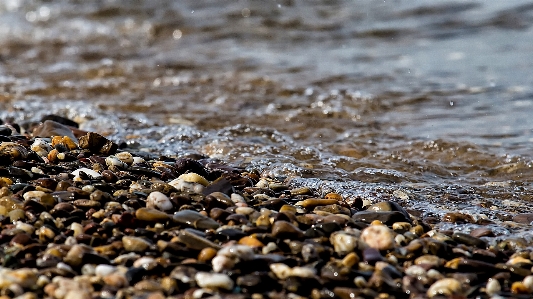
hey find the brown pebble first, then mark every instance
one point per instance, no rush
(207, 254)
(286, 230)
(526, 218)
(482, 232)
(250, 241)
(151, 215)
(458, 218)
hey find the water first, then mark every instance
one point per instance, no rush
(416, 101)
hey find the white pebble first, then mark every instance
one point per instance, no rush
(445, 287)
(159, 201)
(138, 160)
(237, 198)
(25, 227)
(114, 161)
(144, 262)
(528, 283)
(379, 237)
(244, 210)
(33, 195)
(214, 281)
(125, 157)
(281, 270)
(91, 173)
(343, 243)
(239, 251)
(41, 147)
(493, 287)
(104, 270)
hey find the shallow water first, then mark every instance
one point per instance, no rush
(415, 101)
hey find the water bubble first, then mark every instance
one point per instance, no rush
(245, 12)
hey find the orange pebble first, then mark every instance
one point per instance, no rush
(207, 254)
(376, 222)
(250, 241)
(334, 196)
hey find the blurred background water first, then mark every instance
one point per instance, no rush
(367, 98)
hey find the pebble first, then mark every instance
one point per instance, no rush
(92, 222)
(135, 244)
(378, 236)
(159, 201)
(286, 230)
(214, 281)
(445, 287)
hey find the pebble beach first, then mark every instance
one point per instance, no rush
(84, 217)
(266, 149)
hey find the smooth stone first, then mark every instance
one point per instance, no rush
(159, 200)
(195, 219)
(151, 215)
(333, 209)
(285, 230)
(51, 128)
(482, 232)
(455, 217)
(344, 242)
(97, 143)
(389, 206)
(525, 218)
(135, 244)
(207, 254)
(311, 203)
(387, 218)
(445, 287)
(372, 256)
(493, 287)
(469, 240)
(250, 241)
(194, 241)
(214, 281)
(379, 237)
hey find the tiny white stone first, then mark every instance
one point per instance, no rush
(281, 270)
(159, 201)
(144, 262)
(41, 147)
(236, 198)
(493, 287)
(91, 173)
(242, 252)
(214, 281)
(445, 287)
(114, 161)
(33, 195)
(343, 243)
(104, 270)
(528, 282)
(137, 160)
(25, 227)
(125, 157)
